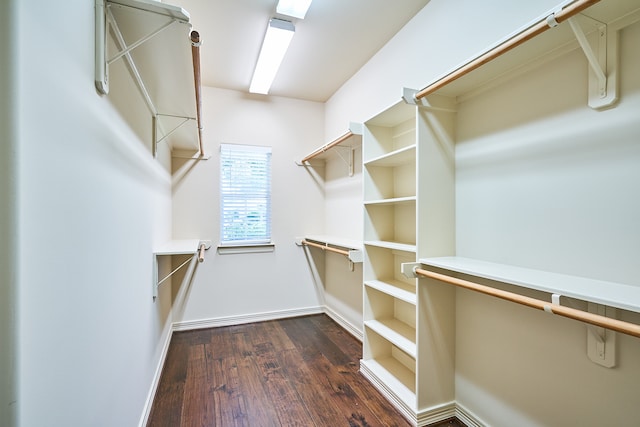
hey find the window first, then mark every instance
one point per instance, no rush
(245, 195)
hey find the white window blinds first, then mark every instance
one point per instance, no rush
(245, 192)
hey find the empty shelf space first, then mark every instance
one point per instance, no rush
(394, 375)
(395, 289)
(398, 157)
(405, 247)
(392, 201)
(396, 332)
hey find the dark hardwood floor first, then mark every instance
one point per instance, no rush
(293, 372)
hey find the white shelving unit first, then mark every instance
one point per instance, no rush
(409, 189)
(407, 186)
(176, 247)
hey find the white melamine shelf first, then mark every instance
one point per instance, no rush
(618, 295)
(336, 241)
(395, 376)
(394, 288)
(393, 201)
(392, 245)
(398, 157)
(178, 247)
(156, 39)
(396, 332)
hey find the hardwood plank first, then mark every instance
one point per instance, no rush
(333, 371)
(290, 372)
(229, 405)
(310, 340)
(258, 409)
(319, 405)
(284, 398)
(167, 407)
(197, 404)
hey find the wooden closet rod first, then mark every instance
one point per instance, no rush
(201, 250)
(195, 53)
(572, 313)
(537, 28)
(328, 146)
(326, 248)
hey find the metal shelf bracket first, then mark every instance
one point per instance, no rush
(601, 51)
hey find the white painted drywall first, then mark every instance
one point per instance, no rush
(8, 215)
(92, 205)
(545, 182)
(255, 283)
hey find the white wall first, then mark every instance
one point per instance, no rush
(92, 205)
(251, 284)
(515, 366)
(7, 215)
(441, 36)
(545, 182)
(343, 217)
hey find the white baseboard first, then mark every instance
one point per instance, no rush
(155, 381)
(352, 329)
(468, 417)
(245, 318)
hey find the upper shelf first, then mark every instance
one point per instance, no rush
(592, 29)
(161, 51)
(347, 140)
(626, 297)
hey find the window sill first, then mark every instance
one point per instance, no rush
(246, 249)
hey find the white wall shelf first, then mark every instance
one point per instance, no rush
(156, 41)
(193, 247)
(618, 295)
(392, 201)
(351, 248)
(392, 245)
(594, 31)
(397, 332)
(395, 288)
(398, 157)
(344, 147)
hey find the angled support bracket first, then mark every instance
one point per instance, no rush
(601, 51)
(347, 157)
(601, 343)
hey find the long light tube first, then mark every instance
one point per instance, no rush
(294, 8)
(275, 45)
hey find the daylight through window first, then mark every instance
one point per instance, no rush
(245, 191)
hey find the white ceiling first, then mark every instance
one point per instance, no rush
(335, 39)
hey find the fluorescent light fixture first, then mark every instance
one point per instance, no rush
(294, 8)
(274, 46)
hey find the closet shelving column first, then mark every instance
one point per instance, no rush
(400, 174)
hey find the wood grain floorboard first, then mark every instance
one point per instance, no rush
(302, 371)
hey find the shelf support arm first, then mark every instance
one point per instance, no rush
(127, 55)
(595, 62)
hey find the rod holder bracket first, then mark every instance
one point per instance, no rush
(601, 343)
(408, 269)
